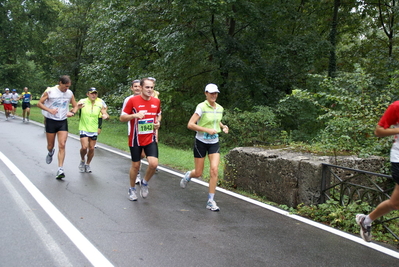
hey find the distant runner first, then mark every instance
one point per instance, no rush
(6, 99)
(26, 99)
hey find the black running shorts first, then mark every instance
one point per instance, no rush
(53, 126)
(395, 171)
(25, 105)
(94, 138)
(150, 150)
(200, 148)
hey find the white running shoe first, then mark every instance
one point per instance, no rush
(211, 205)
(60, 174)
(184, 181)
(82, 166)
(365, 231)
(144, 190)
(132, 194)
(87, 168)
(138, 179)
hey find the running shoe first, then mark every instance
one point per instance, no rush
(365, 231)
(211, 205)
(6, 118)
(184, 181)
(87, 168)
(60, 174)
(132, 194)
(138, 179)
(49, 157)
(144, 190)
(82, 166)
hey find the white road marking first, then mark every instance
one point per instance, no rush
(80, 241)
(55, 251)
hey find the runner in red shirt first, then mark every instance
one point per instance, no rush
(143, 112)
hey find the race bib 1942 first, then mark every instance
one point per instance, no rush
(146, 126)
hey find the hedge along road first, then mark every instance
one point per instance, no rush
(87, 219)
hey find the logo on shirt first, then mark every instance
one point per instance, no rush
(154, 106)
(141, 106)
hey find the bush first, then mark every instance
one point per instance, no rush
(299, 118)
(247, 128)
(350, 106)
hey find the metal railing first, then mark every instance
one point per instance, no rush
(347, 185)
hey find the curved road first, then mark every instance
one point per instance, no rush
(87, 219)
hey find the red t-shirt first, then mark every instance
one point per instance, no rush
(142, 130)
(391, 116)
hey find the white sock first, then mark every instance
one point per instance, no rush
(211, 196)
(367, 221)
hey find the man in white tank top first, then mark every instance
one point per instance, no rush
(55, 105)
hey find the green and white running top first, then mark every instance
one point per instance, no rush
(209, 118)
(88, 123)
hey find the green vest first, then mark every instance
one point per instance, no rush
(89, 115)
(211, 117)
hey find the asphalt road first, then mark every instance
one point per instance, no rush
(87, 219)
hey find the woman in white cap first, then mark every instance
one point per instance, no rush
(206, 121)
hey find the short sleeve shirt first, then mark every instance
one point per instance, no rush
(142, 131)
(391, 118)
(14, 98)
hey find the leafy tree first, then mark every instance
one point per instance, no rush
(68, 42)
(351, 108)
(23, 27)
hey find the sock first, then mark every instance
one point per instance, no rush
(211, 196)
(367, 221)
(133, 188)
(60, 168)
(144, 182)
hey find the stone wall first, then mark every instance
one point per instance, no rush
(286, 177)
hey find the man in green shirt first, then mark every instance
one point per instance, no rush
(92, 107)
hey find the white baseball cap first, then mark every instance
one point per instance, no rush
(212, 88)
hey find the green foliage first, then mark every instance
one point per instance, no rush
(299, 118)
(333, 214)
(249, 128)
(350, 107)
